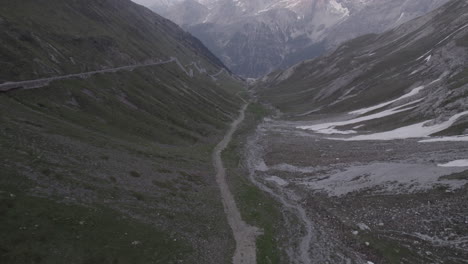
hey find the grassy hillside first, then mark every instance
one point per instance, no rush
(50, 37)
(115, 168)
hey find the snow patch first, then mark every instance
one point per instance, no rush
(414, 72)
(424, 55)
(295, 169)
(262, 166)
(419, 130)
(413, 92)
(463, 138)
(385, 178)
(277, 180)
(363, 227)
(455, 163)
(338, 9)
(330, 128)
(401, 16)
(428, 58)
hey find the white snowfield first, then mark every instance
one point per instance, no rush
(463, 138)
(385, 178)
(330, 128)
(291, 168)
(455, 163)
(419, 130)
(413, 92)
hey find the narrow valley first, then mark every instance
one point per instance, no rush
(291, 132)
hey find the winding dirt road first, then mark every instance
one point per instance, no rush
(38, 83)
(244, 234)
(31, 84)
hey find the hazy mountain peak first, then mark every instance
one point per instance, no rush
(254, 37)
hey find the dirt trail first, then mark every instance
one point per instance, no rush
(38, 83)
(31, 84)
(244, 234)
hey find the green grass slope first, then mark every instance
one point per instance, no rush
(41, 38)
(115, 168)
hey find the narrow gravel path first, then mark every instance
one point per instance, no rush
(38, 83)
(244, 234)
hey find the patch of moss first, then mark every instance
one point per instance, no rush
(456, 176)
(135, 174)
(393, 252)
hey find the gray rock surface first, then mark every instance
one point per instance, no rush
(430, 51)
(254, 37)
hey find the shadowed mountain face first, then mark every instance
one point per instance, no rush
(256, 37)
(426, 57)
(107, 159)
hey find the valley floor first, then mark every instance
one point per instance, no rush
(391, 201)
(244, 234)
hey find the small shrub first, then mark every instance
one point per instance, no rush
(165, 185)
(135, 174)
(46, 172)
(88, 186)
(138, 196)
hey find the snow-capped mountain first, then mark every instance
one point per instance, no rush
(254, 37)
(425, 59)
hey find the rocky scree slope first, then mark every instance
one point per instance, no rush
(421, 64)
(112, 167)
(254, 38)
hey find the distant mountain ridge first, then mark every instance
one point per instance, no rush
(257, 36)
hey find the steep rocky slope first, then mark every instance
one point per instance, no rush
(429, 53)
(255, 37)
(114, 165)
